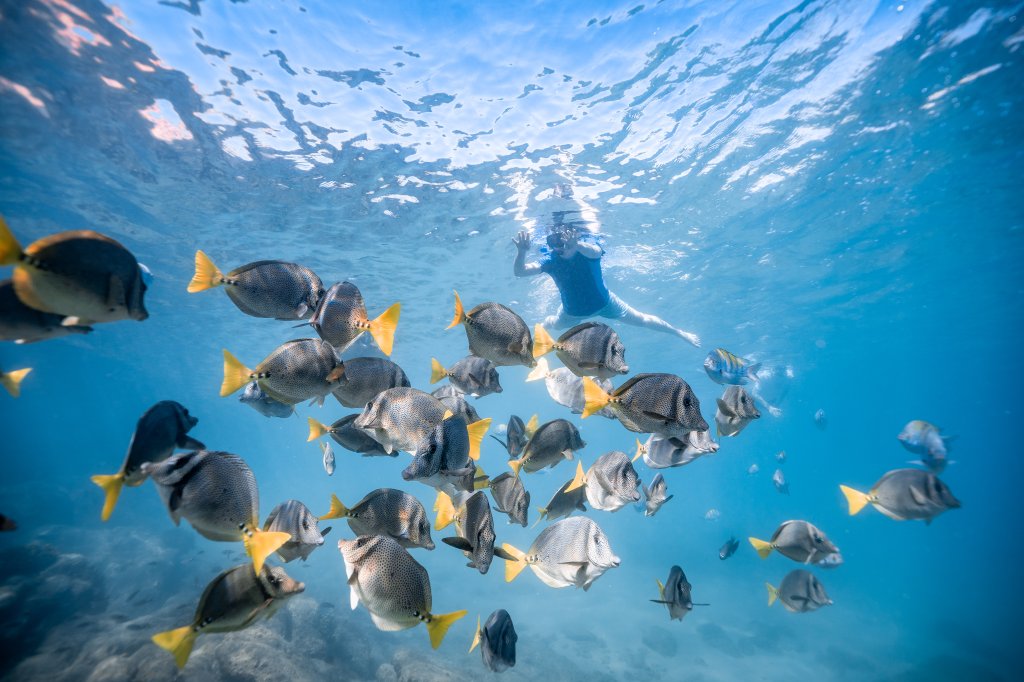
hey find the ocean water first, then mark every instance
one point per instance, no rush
(830, 188)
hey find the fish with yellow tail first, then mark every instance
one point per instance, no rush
(160, 429)
(11, 381)
(301, 369)
(265, 288)
(23, 324)
(341, 317)
(800, 592)
(573, 551)
(497, 641)
(232, 601)
(82, 275)
(551, 443)
(798, 540)
(517, 434)
(394, 587)
(386, 511)
(470, 375)
(905, 494)
(563, 503)
(474, 528)
(589, 349)
(510, 497)
(403, 418)
(611, 481)
(496, 333)
(216, 493)
(345, 434)
(446, 459)
(675, 594)
(365, 378)
(299, 522)
(649, 403)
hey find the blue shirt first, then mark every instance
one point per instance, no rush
(579, 282)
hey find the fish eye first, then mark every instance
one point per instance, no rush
(433, 448)
(686, 402)
(817, 538)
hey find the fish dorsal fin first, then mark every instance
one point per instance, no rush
(576, 330)
(629, 384)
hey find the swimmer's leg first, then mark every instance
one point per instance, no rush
(619, 309)
(561, 320)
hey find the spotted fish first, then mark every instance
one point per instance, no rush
(495, 333)
(298, 370)
(905, 494)
(265, 288)
(341, 317)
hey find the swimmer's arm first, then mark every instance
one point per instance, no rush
(589, 250)
(521, 268)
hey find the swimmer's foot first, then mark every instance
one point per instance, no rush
(690, 337)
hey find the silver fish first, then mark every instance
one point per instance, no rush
(649, 403)
(472, 375)
(254, 397)
(341, 317)
(393, 586)
(497, 641)
(22, 324)
(160, 429)
(655, 495)
(495, 333)
(328, 453)
(905, 494)
(401, 418)
(363, 379)
(663, 453)
(216, 493)
(753, 469)
(725, 368)
(736, 409)
(830, 561)
(925, 439)
(779, 479)
(82, 275)
(565, 388)
(455, 401)
(820, 420)
(799, 592)
(563, 503)
(510, 497)
(297, 370)
(294, 518)
(552, 442)
(798, 540)
(729, 548)
(474, 526)
(675, 594)
(573, 551)
(611, 481)
(780, 456)
(588, 349)
(386, 511)
(266, 288)
(345, 434)
(232, 601)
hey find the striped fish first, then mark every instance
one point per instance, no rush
(725, 368)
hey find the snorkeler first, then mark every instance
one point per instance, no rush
(574, 263)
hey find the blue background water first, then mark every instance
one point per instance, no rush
(829, 187)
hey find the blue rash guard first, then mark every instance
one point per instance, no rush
(579, 282)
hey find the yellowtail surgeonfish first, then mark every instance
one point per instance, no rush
(232, 601)
(799, 540)
(160, 430)
(649, 403)
(11, 380)
(573, 551)
(23, 324)
(386, 511)
(216, 493)
(591, 349)
(496, 333)
(266, 288)
(83, 275)
(800, 592)
(341, 318)
(905, 494)
(297, 370)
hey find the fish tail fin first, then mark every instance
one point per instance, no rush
(594, 397)
(516, 465)
(12, 380)
(460, 314)
(437, 371)
(752, 371)
(337, 511)
(111, 485)
(661, 589)
(236, 374)
(207, 275)
(317, 429)
(855, 498)
(476, 637)
(640, 450)
(513, 568)
(179, 642)
(10, 249)
(540, 371)
(763, 548)
(773, 593)
(438, 625)
(541, 513)
(477, 430)
(579, 480)
(531, 426)
(481, 480)
(262, 543)
(542, 341)
(383, 328)
(445, 510)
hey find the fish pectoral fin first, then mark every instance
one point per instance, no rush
(459, 543)
(353, 596)
(725, 409)
(660, 417)
(502, 554)
(659, 601)
(589, 365)
(301, 310)
(190, 443)
(919, 497)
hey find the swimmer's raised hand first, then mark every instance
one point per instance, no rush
(522, 241)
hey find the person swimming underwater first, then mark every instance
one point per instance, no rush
(574, 263)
